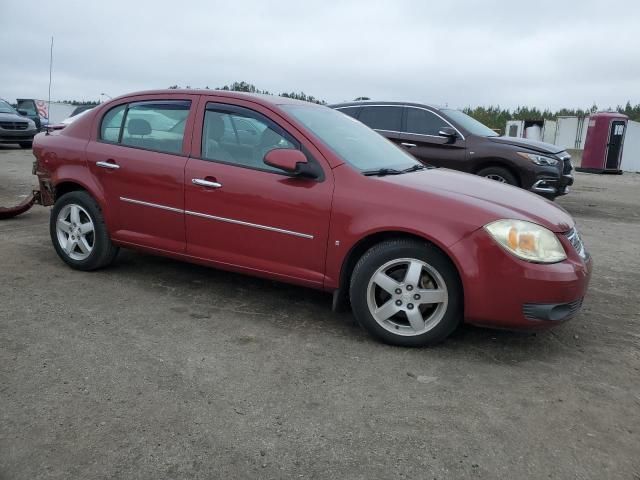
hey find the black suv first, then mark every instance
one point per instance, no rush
(446, 137)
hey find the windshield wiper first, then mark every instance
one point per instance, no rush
(414, 168)
(380, 172)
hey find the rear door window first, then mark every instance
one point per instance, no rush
(157, 126)
(424, 122)
(111, 124)
(382, 117)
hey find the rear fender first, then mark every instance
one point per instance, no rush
(81, 176)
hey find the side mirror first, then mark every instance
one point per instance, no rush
(290, 161)
(448, 132)
(24, 113)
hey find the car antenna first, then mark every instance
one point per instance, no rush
(49, 100)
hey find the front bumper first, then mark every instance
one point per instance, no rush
(553, 182)
(502, 291)
(553, 186)
(15, 136)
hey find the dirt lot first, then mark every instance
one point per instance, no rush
(158, 369)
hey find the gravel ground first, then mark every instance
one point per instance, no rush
(157, 369)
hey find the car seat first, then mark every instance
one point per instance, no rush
(214, 133)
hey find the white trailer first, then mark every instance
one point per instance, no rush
(631, 151)
(540, 130)
(571, 132)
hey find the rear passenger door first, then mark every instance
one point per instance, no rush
(420, 138)
(138, 159)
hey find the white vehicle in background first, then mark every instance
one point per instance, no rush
(67, 121)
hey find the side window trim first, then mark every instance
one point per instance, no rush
(358, 109)
(404, 117)
(122, 123)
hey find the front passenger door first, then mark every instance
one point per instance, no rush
(246, 215)
(420, 138)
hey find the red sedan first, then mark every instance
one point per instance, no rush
(301, 193)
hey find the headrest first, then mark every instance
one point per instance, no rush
(138, 126)
(215, 126)
(269, 138)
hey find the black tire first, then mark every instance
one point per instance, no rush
(26, 144)
(103, 251)
(385, 252)
(499, 172)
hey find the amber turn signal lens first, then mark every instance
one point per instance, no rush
(527, 240)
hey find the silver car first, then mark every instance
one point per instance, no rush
(14, 128)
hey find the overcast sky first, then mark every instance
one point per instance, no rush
(540, 53)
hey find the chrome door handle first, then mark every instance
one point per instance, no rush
(410, 145)
(110, 165)
(205, 183)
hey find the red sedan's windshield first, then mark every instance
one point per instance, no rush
(354, 142)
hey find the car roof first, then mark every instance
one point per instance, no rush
(254, 97)
(372, 102)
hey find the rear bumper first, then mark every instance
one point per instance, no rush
(502, 291)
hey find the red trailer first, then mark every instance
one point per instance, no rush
(604, 142)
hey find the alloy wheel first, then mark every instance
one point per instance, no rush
(496, 177)
(407, 296)
(75, 232)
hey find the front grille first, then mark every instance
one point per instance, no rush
(566, 162)
(553, 312)
(576, 241)
(14, 125)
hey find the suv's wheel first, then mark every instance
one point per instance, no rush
(406, 293)
(499, 174)
(79, 234)
(26, 144)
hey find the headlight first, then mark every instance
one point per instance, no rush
(528, 241)
(539, 159)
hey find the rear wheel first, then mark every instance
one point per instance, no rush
(406, 293)
(79, 234)
(499, 174)
(26, 144)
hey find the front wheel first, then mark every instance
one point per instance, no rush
(406, 293)
(79, 234)
(499, 174)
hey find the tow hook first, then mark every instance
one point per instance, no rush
(30, 201)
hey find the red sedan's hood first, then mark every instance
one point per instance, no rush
(487, 199)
